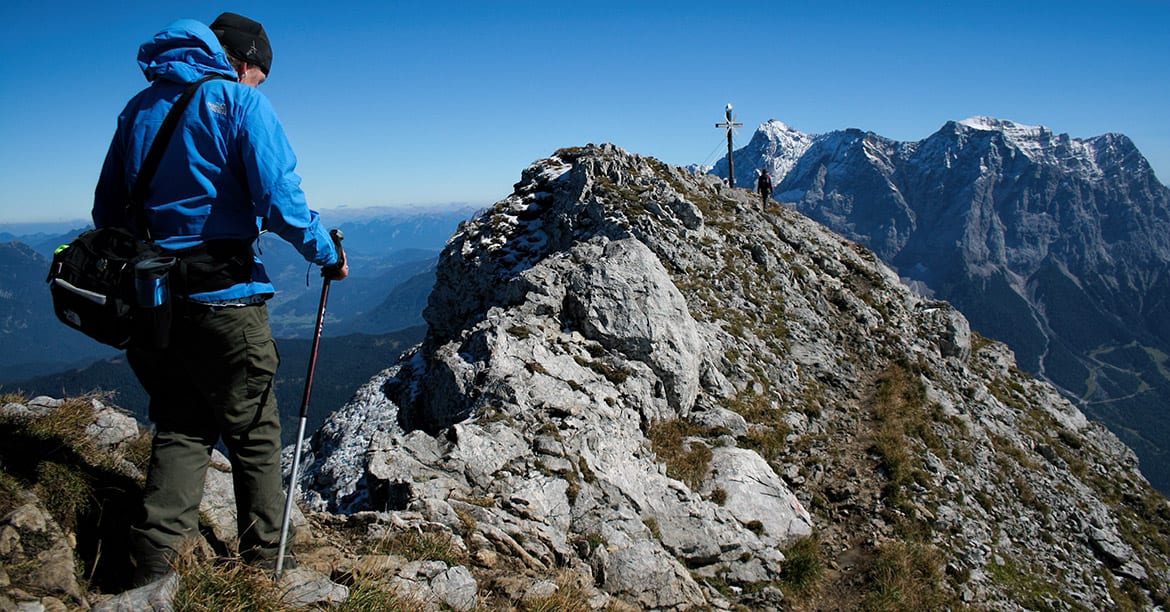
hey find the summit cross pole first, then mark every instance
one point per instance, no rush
(730, 124)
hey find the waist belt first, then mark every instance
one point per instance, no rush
(211, 266)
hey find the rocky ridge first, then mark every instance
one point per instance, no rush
(637, 377)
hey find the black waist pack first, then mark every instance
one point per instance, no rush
(117, 289)
(92, 283)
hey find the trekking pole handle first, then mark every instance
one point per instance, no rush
(337, 235)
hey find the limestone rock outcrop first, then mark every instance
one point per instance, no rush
(638, 376)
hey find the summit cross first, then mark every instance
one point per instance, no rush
(729, 124)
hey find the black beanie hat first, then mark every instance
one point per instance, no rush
(244, 38)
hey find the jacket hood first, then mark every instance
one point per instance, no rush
(183, 52)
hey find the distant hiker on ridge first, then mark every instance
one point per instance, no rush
(764, 186)
(228, 172)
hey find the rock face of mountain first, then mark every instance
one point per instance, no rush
(1056, 245)
(637, 377)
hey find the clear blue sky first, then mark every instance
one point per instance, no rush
(390, 103)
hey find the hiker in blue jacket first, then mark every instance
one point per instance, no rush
(227, 173)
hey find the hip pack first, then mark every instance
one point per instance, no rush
(92, 284)
(117, 289)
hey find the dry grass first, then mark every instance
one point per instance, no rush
(687, 462)
(219, 585)
(10, 489)
(51, 454)
(767, 431)
(613, 373)
(568, 597)
(420, 546)
(224, 587)
(900, 408)
(906, 576)
(368, 595)
(60, 427)
(803, 570)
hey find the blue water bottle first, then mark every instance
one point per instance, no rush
(153, 312)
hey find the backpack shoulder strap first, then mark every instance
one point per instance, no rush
(136, 206)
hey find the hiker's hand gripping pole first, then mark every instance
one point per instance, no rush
(336, 271)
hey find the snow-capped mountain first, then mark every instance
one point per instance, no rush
(775, 147)
(1058, 245)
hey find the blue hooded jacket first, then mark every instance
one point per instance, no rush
(227, 170)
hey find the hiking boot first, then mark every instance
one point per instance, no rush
(151, 563)
(156, 595)
(146, 576)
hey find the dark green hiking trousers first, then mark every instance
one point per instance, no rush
(213, 383)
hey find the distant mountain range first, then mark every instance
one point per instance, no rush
(392, 254)
(1058, 246)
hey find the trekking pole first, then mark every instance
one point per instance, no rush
(337, 237)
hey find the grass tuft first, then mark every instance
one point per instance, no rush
(803, 568)
(614, 374)
(568, 597)
(685, 462)
(66, 491)
(423, 546)
(369, 595)
(906, 576)
(767, 430)
(224, 587)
